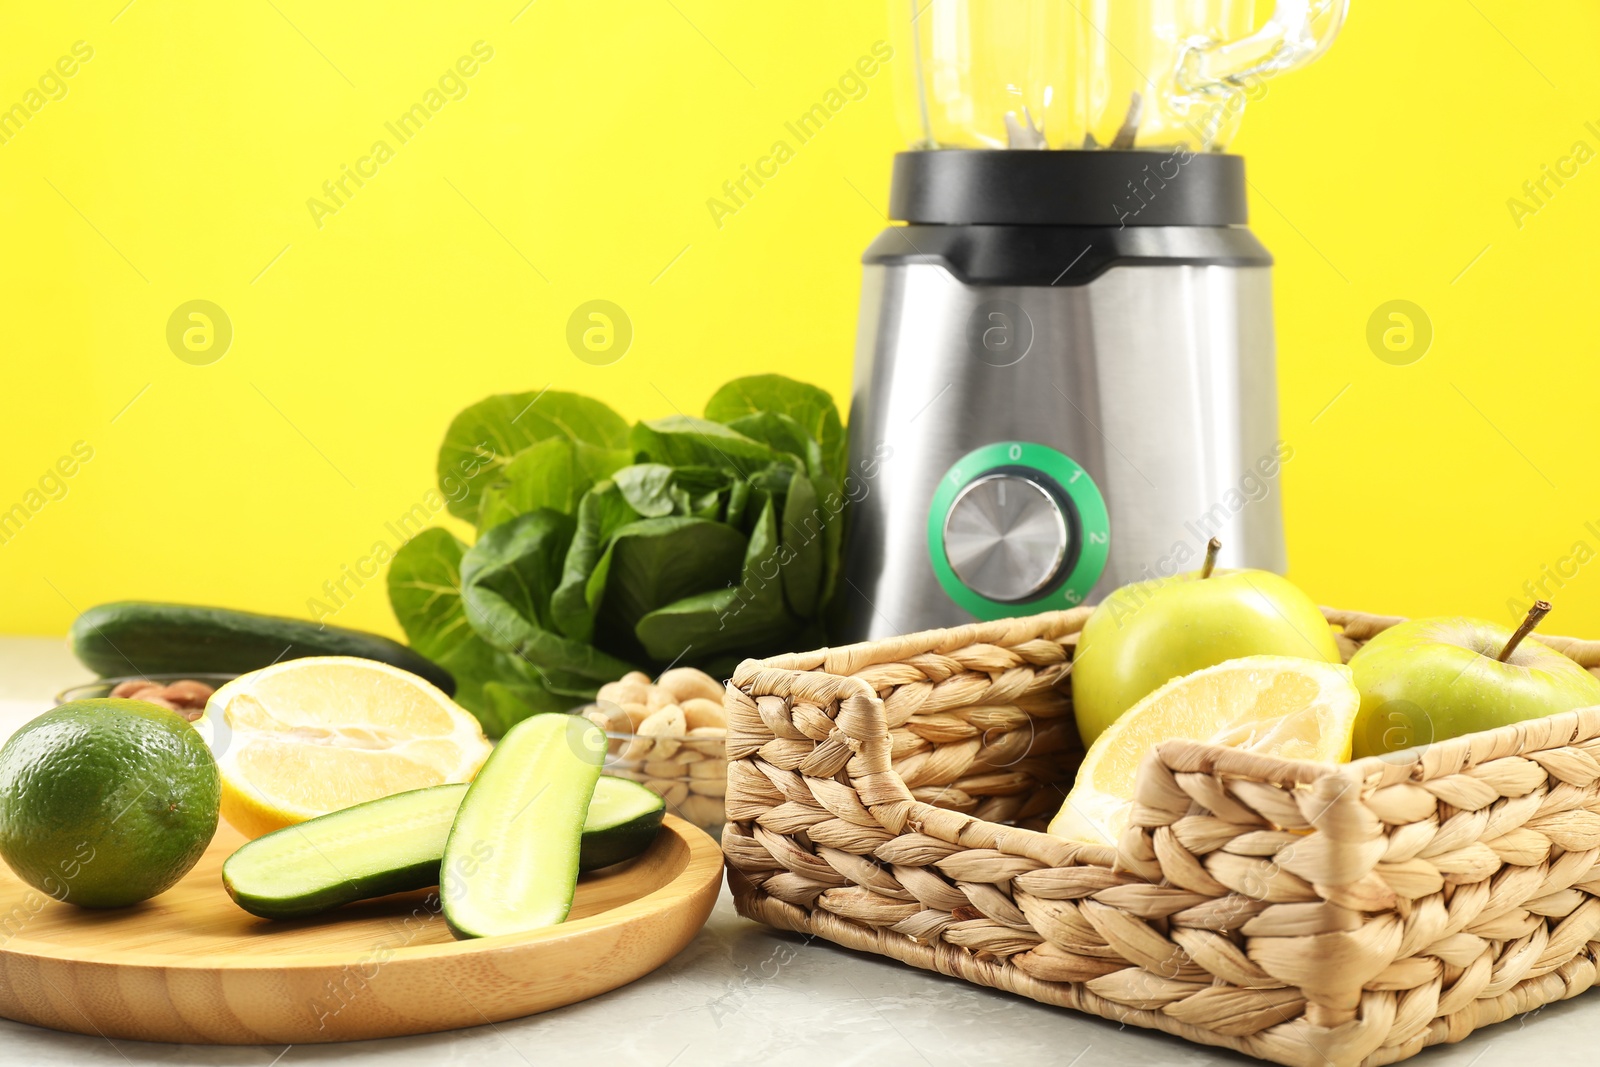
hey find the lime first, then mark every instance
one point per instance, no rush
(105, 803)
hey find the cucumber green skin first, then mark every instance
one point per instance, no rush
(618, 841)
(142, 637)
(601, 847)
(334, 893)
(397, 880)
(617, 844)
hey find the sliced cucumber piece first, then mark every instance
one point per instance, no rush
(395, 845)
(367, 850)
(511, 860)
(624, 817)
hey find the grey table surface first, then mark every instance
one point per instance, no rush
(742, 993)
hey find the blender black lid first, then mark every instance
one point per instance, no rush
(1066, 187)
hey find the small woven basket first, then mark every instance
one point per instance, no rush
(1304, 913)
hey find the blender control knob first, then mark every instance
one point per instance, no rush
(1006, 536)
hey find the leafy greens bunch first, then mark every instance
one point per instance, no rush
(603, 548)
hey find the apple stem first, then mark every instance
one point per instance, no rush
(1540, 609)
(1213, 547)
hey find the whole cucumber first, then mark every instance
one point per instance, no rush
(143, 637)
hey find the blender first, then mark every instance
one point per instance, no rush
(1065, 373)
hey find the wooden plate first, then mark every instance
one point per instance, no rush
(191, 966)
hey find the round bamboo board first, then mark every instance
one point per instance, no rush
(190, 966)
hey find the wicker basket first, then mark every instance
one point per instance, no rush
(1305, 913)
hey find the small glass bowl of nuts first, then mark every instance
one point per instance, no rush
(671, 736)
(185, 694)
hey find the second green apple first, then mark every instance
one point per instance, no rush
(1145, 634)
(1430, 679)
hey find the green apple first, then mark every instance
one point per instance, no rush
(1145, 634)
(1429, 679)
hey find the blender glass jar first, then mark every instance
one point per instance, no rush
(1155, 74)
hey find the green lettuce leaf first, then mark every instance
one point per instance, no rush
(484, 439)
(601, 513)
(656, 490)
(812, 408)
(425, 594)
(751, 614)
(553, 473)
(700, 540)
(802, 537)
(507, 580)
(647, 487)
(738, 501)
(831, 503)
(783, 434)
(653, 562)
(681, 441)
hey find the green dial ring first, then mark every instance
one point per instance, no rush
(1061, 474)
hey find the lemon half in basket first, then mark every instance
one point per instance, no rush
(1275, 705)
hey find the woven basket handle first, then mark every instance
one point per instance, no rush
(860, 738)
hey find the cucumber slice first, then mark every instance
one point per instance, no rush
(396, 844)
(624, 817)
(367, 850)
(511, 860)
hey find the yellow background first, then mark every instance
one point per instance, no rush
(179, 162)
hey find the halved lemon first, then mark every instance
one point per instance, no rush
(309, 736)
(1276, 705)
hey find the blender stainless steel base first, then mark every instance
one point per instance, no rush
(1044, 412)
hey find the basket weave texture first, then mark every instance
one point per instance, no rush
(1304, 913)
